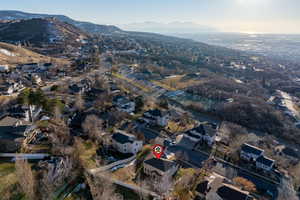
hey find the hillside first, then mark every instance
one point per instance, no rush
(39, 31)
(14, 55)
(86, 26)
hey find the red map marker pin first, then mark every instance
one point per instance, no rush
(157, 150)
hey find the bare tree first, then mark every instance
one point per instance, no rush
(54, 176)
(286, 191)
(100, 82)
(26, 178)
(59, 137)
(101, 187)
(79, 102)
(162, 186)
(93, 127)
(245, 184)
(57, 113)
(143, 184)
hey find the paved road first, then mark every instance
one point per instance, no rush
(35, 156)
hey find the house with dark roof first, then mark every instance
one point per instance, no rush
(250, 152)
(124, 104)
(204, 133)
(10, 125)
(25, 112)
(160, 168)
(19, 111)
(264, 163)
(126, 143)
(156, 116)
(230, 192)
(9, 88)
(186, 156)
(216, 186)
(148, 134)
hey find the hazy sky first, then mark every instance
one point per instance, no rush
(226, 15)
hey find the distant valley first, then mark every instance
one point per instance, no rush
(273, 45)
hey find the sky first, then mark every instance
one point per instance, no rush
(262, 16)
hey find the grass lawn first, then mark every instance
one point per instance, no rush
(8, 181)
(126, 174)
(88, 153)
(6, 168)
(177, 82)
(174, 127)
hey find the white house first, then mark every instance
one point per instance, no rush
(124, 104)
(126, 143)
(29, 67)
(264, 163)
(9, 88)
(160, 168)
(4, 68)
(250, 153)
(203, 133)
(156, 116)
(11, 125)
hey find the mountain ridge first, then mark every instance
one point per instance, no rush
(39, 31)
(86, 26)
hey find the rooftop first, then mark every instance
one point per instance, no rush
(251, 149)
(229, 192)
(205, 130)
(11, 121)
(265, 160)
(123, 137)
(155, 112)
(162, 165)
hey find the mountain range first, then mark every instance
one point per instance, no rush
(167, 28)
(40, 31)
(86, 26)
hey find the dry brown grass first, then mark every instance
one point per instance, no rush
(22, 55)
(175, 127)
(126, 174)
(176, 83)
(8, 178)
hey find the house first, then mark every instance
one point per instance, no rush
(230, 192)
(250, 153)
(4, 68)
(210, 184)
(156, 116)
(124, 104)
(29, 67)
(204, 133)
(11, 125)
(76, 89)
(148, 134)
(126, 143)
(20, 112)
(6, 89)
(24, 112)
(9, 88)
(36, 79)
(264, 163)
(291, 153)
(160, 168)
(216, 187)
(186, 157)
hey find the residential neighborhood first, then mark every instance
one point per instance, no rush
(94, 112)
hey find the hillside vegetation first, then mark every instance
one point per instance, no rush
(14, 55)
